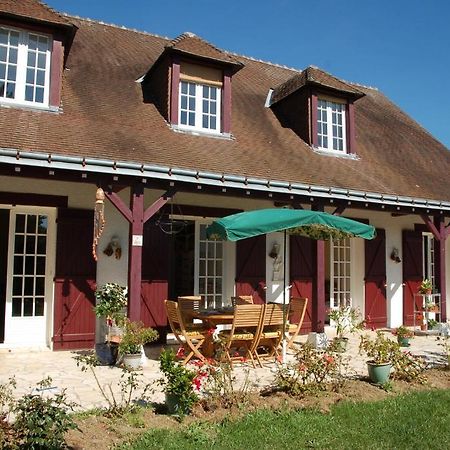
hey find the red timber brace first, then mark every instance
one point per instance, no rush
(136, 215)
(440, 232)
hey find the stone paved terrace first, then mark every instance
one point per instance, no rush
(29, 367)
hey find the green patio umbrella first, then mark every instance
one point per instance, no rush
(313, 224)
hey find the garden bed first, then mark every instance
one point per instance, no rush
(96, 431)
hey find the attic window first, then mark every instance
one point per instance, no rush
(24, 67)
(199, 104)
(331, 125)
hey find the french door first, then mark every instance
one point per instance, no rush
(29, 290)
(340, 273)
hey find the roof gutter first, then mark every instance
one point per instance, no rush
(110, 167)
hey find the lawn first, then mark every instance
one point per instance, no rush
(415, 420)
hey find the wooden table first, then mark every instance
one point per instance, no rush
(212, 318)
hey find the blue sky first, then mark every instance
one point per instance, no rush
(402, 47)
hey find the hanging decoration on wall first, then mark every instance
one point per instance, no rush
(113, 248)
(99, 219)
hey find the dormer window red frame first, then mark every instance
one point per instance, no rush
(225, 103)
(349, 123)
(56, 53)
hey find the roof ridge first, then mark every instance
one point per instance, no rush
(270, 63)
(114, 25)
(50, 8)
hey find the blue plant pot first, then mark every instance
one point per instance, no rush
(379, 373)
(403, 341)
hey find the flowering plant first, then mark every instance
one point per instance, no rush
(347, 320)
(380, 350)
(425, 287)
(403, 332)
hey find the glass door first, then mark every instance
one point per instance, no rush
(29, 286)
(340, 277)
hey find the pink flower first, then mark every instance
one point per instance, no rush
(243, 359)
(180, 352)
(328, 358)
(211, 331)
(280, 358)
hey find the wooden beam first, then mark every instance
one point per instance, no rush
(120, 205)
(429, 223)
(319, 310)
(442, 268)
(158, 204)
(339, 210)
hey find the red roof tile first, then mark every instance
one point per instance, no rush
(104, 116)
(34, 9)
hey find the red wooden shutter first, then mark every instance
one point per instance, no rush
(375, 281)
(155, 276)
(303, 273)
(412, 272)
(74, 318)
(251, 268)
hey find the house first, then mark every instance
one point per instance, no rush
(175, 133)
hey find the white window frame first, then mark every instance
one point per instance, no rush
(341, 295)
(329, 135)
(22, 58)
(198, 111)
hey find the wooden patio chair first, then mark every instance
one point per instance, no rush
(245, 329)
(297, 310)
(242, 300)
(271, 334)
(190, 338)
(188, 304)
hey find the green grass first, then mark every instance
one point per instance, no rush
(418, 420)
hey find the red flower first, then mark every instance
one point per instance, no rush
(197, 382)
(236, 354)
(198, 363)
(211, 331)
(280, 358)
(328, 358)
(243, 359)
(181, 352)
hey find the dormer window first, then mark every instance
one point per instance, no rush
(331, 125)
(24, 67)
(199, 107)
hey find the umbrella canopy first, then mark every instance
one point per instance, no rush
(313, 224)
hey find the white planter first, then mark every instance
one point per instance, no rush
(133, 361)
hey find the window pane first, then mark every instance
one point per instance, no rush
(39, 307)
(27, 307)
(40, 286)
(10, 90)
(43, 44)
(16, 307)
(17, 286)
(29, 265)
(183, 118)
(20, 223)
(29, 93)
(31, 245)
(183, 102)
(12, 73)
(31, 224)
(2, 88)
(184, 87)
(14, 38)
(205, 121)
(40, 265)
(213, 123)
(30, 76)
(31, 59)
(191, 103)
(3, 36)
(205, 106)
(192, 119)
(2, 71)
(42, 224)
(41, 245)
(29, 286)
(3, 53)
(213, 94)
(32, 43)
(39, 95)
(12, 55)
(18, 246)
(18, 265)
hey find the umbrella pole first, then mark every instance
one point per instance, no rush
(284, 343)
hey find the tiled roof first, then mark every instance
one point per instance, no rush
(32, 9)
(190, 44)
(104, 116)
(313, 75)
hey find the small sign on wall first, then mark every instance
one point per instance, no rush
(137, 240)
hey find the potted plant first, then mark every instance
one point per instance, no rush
(426, 287)
(178, 384)
(432, 324)
(403, 335)
(135, 335)
(382, 352)
(111, 301)
(346, 320)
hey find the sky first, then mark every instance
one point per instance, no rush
(401, 47)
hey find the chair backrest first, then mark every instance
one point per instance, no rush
(187, 304)
(242, 300)
(248, 317)
(297, 309)
(273, 315)
(174, 316)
